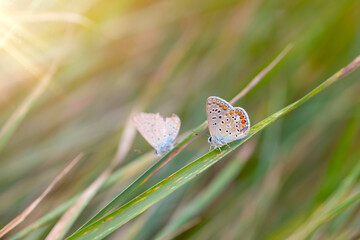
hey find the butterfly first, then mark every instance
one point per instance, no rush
(226, 123)
(160, 132)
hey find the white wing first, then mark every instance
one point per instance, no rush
(157, 130)
(225, 122)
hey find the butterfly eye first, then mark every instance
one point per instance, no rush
(209, 139)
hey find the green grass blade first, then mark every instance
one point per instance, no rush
(228, 174)
(185, 142)
(144, 177)
(117, 218)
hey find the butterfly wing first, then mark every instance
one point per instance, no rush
(147, 125)
(241, 123)
(216, 109)
(226, 123)
(172, 125)
(159, 132)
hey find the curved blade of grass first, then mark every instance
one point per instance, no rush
(11, 125)
(117, 218)
(19, 219)
(122, 174)
(332, 177)
(181, 145)
(336, 204)
(69, 217)
(207, 195)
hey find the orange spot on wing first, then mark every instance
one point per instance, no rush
(241, 116)
(231, 112)
(177, 123)
(220, 105)
(224, 108)
(226, 114)
(243, 121)
(236, 111)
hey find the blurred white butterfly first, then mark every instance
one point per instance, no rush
(159, 132)
(226, 123)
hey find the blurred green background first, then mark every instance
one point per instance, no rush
(168, 57)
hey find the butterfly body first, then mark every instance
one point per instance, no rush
(159, 132)
(226, 123)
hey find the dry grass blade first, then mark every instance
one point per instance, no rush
(54, 17)
(13, 122)
(262, 74)
(33, 205)
(121, 175)
(69, 217)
